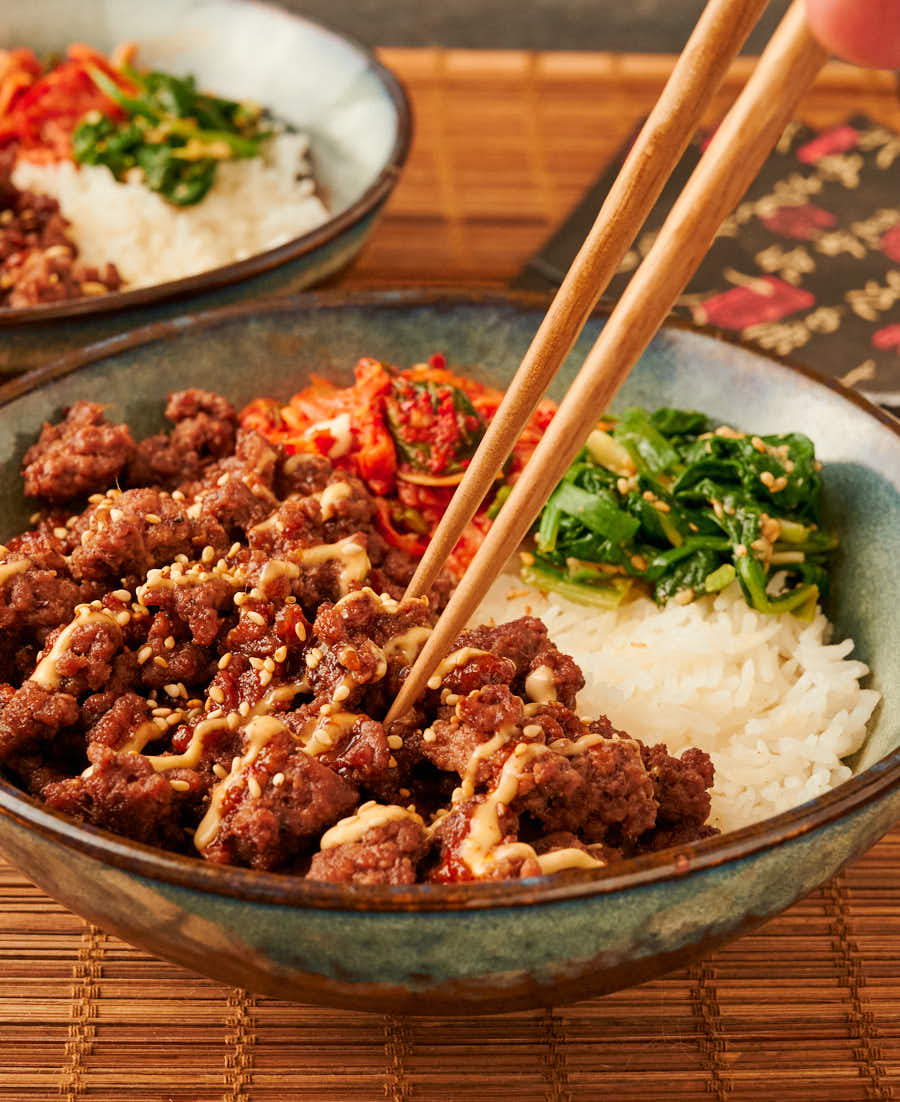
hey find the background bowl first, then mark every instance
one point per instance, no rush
(476, 947)
(355, 112)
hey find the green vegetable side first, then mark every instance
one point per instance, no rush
(671, 502)
(174, 134)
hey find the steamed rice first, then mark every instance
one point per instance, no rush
(255, 204)
(775, 704)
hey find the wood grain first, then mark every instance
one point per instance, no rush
(805, 1010)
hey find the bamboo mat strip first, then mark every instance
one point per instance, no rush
(805, 1009)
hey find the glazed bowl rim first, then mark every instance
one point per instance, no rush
(258, 263)
(282, 889)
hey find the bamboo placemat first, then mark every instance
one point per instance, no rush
(807, 1008)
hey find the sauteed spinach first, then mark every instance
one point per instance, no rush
(671, 501)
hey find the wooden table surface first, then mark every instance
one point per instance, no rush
(806, 1008)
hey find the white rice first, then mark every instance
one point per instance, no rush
(254, 204)
(773, 702)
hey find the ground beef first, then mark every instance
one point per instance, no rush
(82, 454)
(385, 854)
(130, 533)
(270, 829)
(38, 259)
(33, 716)
(204, 663)
(204, 430)
(122, 793)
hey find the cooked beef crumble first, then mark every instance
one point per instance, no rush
(38, 260)
(202, 656)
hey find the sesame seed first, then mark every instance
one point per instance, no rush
(278, 780)
(180, 786)
(300, 632)
(216, 694)
(219, 771)
(224, 660)
(253, 788)
(395, 742)
(143, 654)
(280, 654)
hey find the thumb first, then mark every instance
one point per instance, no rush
(866, 32)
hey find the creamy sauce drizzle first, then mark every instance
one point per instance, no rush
(370, 815)
(258, 733)
(541, 686)
(10, 569)
(451, 662)
(408, 644)
(354, 562)
(45, 673)
(190, 759)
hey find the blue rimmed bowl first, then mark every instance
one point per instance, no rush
(355, 111)
(476, 947)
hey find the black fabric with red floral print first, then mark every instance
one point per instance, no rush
(807, 266)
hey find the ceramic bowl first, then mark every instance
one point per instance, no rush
(355, 111)
(477, 947)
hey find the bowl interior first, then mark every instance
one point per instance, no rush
(308, 76)
(269, 349)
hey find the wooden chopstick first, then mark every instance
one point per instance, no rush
(735, 154)
(698, 73)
